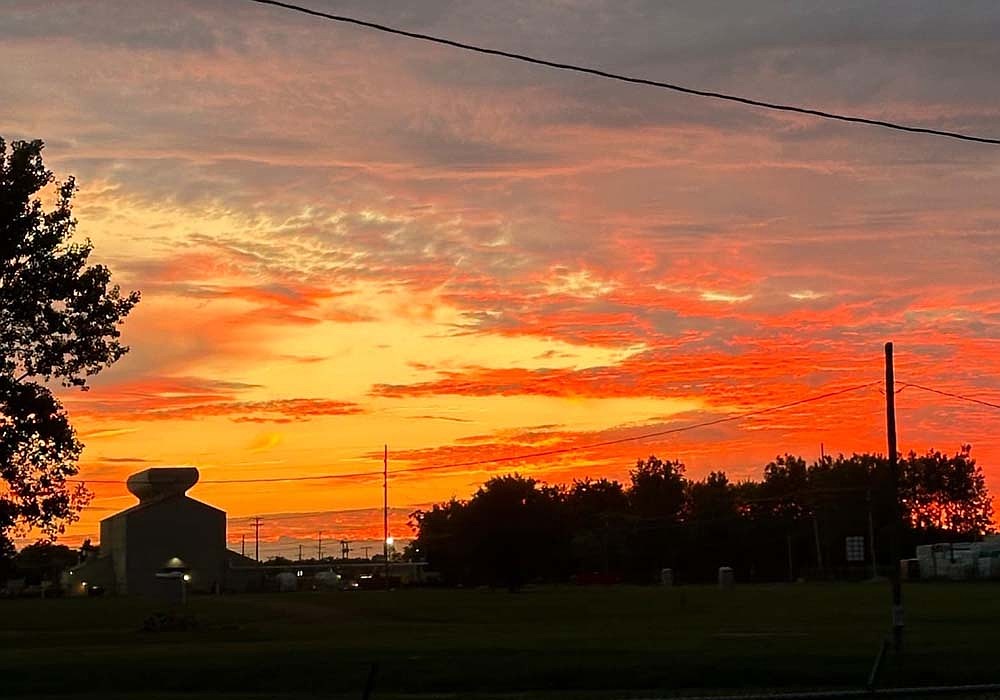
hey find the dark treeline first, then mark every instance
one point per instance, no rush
(790, 524)
(38, 562)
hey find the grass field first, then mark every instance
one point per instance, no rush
(616, 640)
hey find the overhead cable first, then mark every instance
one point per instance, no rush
(599, 72)
(532, 455)
(961, 397)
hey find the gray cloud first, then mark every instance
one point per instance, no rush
(487, 176)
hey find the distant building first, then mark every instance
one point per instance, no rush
(165, 542)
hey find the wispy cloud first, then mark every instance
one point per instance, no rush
(349, 240)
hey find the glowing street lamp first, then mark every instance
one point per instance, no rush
(389, 542)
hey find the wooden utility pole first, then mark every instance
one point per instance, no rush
(895, 526)
(385, 513)
(871, 536)
(243, 545)
(256, 528)
(319, 547)
(791, 565)
(300, 552)
(819, 548)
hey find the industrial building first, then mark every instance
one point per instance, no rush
(166, 545)
(956, 561)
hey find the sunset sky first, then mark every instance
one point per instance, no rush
(345, 239)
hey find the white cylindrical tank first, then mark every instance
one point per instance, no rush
(727, 577)
(666, 577)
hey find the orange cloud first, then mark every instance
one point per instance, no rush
(450, 252)
(188, 398)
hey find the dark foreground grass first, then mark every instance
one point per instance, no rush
(490, 642)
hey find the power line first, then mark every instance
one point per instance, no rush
(542, 453)
(630, 79)
(353, 475)
(951, 395)
(643, 436)
(314, 514)
(261, 480)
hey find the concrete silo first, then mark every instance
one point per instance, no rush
(140, 545)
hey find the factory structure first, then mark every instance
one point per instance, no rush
(170, 545)
(166, 545)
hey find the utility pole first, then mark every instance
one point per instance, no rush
(819, 549)
(319, 548)
(256, 528)
(300, 552)
(871, 536)
(896, 519)
(791, 566)
(243, 546)
(345, 549)
(385, 513)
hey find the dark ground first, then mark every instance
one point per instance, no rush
(586, 642)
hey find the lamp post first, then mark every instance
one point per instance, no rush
(389, 542)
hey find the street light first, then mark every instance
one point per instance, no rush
(389, 542)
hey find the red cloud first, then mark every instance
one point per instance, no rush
(190, 398)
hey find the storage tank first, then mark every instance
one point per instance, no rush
(162, 482)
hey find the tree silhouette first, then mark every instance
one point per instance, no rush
(714, 530)
(657, 488)
(520, 527)
(943, 493)
(45, 561)
(59, 320)
(440, 540)
(515, 529)
(597, 519)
